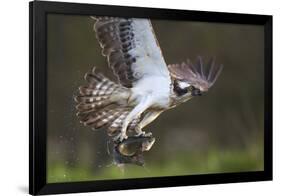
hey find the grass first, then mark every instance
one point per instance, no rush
(213, 161)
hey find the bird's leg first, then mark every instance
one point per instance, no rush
(148, 118)
(139, 131)
(137, 111)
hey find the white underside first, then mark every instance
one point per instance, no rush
(154, 88)
(151, 88)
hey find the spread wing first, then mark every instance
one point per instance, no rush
(131, 48)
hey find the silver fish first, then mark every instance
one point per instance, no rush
(130, 151)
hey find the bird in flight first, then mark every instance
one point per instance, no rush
(147, 85)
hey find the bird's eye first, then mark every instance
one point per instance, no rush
(190, 88)
(196, 92)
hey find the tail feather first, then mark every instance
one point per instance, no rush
(92, 106)
(116, 124)
(90, 99)
(93, 119)
(93, 77)
(100, 90)
(95, 105)
(107, 120)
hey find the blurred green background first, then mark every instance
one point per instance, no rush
(219, 132)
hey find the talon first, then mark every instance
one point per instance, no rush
(148, 134)
(143, 134)
(140, 133)
(120, 137)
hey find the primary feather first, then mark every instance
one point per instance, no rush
(131, 48)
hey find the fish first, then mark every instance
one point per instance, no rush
(130, 150)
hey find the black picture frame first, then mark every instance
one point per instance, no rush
(38, 93)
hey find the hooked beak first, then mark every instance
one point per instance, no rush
(196, 92)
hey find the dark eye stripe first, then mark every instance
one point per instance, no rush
(179, 91)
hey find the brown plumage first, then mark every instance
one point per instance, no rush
(116, 38)
(199, 75)
(99, 108)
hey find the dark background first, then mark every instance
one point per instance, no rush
(219, 132)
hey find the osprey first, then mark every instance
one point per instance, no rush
(146, 86)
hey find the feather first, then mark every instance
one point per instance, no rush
(96, 107)
(116, 125)
(199, 75)
(131, 48)
(90, 99)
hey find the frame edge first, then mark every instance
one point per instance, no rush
(268, 102)
(31, 147)
(38, 184)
